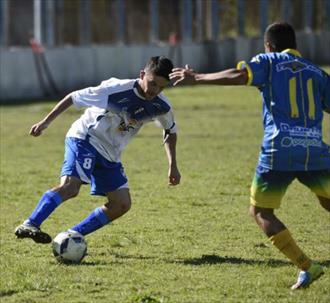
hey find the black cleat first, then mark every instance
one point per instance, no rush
(29, 231)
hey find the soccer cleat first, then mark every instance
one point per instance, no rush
(305, 278)
(27, 230)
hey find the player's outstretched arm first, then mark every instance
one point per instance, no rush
(230, 76)
(174, 176)
(65, 103)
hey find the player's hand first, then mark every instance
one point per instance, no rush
(174, 176)
(36, 129)
(183, 75)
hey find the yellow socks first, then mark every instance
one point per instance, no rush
(287, 245)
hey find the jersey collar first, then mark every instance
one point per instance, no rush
(135, 90)
(292, 52)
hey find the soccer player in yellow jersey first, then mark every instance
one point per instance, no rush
(295, 95)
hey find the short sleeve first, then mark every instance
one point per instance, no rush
(91, 96)
(257, 68)
(167, 122)
(94, 96)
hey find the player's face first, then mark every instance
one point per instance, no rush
(151, 85)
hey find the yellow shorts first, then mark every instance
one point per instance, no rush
(269, 186)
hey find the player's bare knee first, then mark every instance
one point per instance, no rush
(73, 192)
(117, 207)
(68, 190)
(69, 187)
(125, 205)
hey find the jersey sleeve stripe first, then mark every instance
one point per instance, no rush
(243, 64)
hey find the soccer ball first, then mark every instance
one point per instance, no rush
(69, 247)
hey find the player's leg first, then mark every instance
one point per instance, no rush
(108, 180)
(267, 191)
(119, 202)
(319, 184)
(68, 188)
(50, 200)
(280, 236)
(267, 220)
(76, 168)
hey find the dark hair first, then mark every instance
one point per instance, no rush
(160, 66)
(280, 35)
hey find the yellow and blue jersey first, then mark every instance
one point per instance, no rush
(295, 93)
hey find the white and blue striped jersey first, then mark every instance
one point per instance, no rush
(115, 114)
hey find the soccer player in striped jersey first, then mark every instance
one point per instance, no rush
(116, 111)
(295, 95)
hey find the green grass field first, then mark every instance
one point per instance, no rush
(194, 243)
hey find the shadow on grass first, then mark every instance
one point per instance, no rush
(93, 263)
(325, 263)
(214, 259)
(203, 260)
(8, 293)
(83, 263)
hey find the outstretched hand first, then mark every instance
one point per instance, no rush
(37, 129)
(183, 75)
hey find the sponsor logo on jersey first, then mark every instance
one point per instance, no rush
(304, 142)
(296, 66)
(300, 131)
(126, 126)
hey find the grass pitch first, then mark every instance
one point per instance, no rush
(194, 243)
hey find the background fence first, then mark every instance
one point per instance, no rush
(84, 22)
(86, 41)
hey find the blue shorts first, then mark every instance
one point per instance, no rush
(269, 186)
(83, 161)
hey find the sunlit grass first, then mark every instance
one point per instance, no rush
(193, 243)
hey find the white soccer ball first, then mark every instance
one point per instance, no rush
(69, 247)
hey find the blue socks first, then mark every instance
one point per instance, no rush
(94, 221)
(48, 202)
